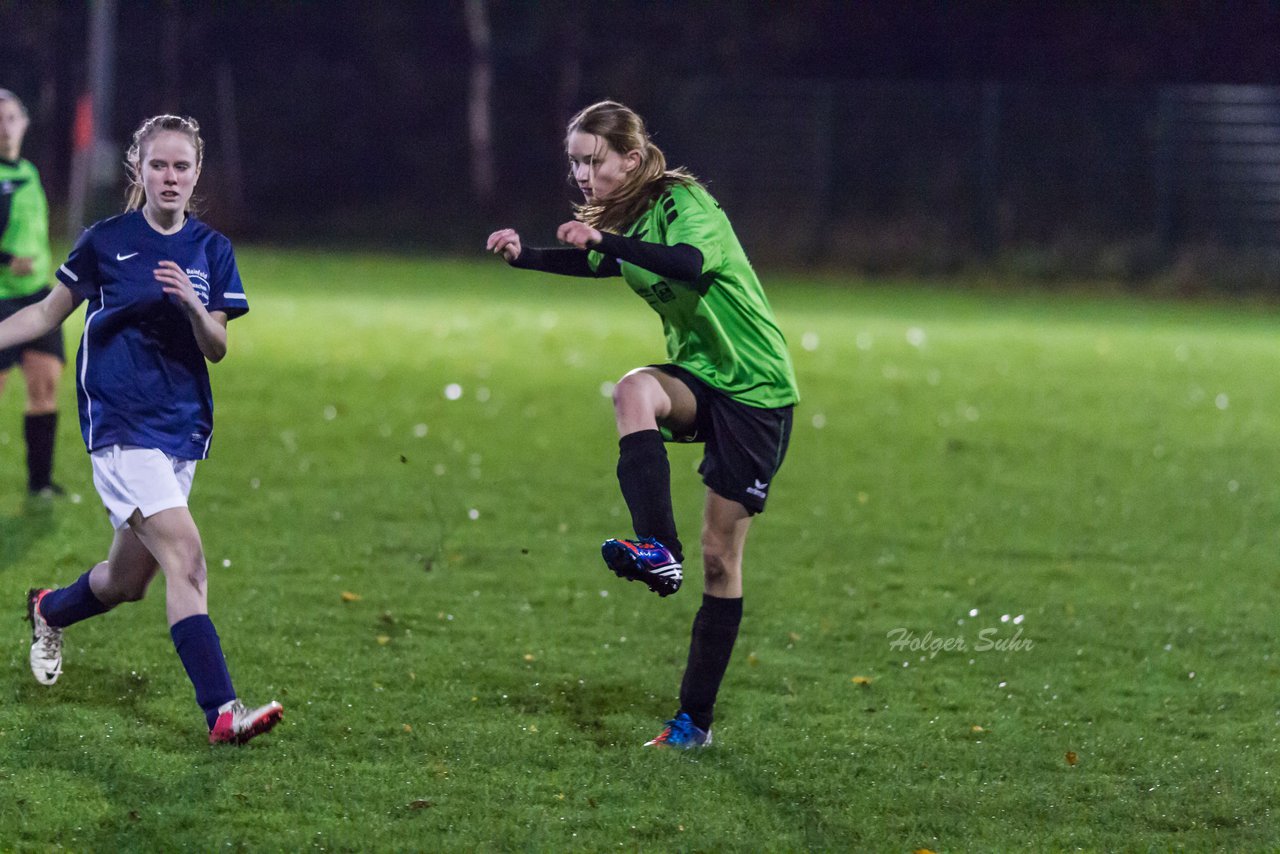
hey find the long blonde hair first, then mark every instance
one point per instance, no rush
(622, 129)
(145, 132)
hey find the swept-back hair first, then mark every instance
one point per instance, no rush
(143, 135)
(621, 128)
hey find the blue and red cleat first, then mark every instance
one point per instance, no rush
(682, 734)
(644, 560)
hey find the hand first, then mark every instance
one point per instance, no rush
(578, 234)
(176, 284)
(505, 243)
(22, 266)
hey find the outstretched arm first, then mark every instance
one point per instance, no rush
(210, 327)
(35, 320)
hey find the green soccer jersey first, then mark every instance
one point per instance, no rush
(24, 228)
(720, 326)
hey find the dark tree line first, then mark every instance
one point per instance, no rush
(360, 119)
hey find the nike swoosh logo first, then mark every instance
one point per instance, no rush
(120, 257)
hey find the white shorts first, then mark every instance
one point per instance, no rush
(129, 478)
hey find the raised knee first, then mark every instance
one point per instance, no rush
(628, 389)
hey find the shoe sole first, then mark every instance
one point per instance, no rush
(621, 561)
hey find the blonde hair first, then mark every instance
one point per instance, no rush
(6, 95)
(622, 129)
(143, 135)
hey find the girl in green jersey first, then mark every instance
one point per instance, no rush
(728, 381)
(24, 277)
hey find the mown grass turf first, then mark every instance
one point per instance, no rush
(1089, 481)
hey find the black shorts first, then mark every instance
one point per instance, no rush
(744, 445)
(50, 342)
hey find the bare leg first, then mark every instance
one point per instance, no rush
(126, 573)
(724, 537)
(172, 538)
(41, 372)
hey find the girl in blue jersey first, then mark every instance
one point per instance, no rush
(24, 278)
(160, 287)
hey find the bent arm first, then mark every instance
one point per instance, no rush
(210, 328)
(35, 320)
(681, 262)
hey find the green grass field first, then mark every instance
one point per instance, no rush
(1080, 490)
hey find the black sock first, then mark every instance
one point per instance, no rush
(40, 431)
(715, 629)
(645, 477)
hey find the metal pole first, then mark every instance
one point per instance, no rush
(93, 161)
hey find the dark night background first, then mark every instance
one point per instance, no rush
(351, 119)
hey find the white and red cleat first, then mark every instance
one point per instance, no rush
(46, 641)
(237, 724)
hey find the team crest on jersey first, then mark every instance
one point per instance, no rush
(200, 281)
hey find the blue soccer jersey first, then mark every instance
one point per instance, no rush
(140, 376)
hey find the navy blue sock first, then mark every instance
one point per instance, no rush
(66, 605)
(645, 477)
(715, 630)
(201, 652)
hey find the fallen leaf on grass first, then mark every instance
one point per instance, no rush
(753, 660)
(383, 640)
(408, 728)
(420, 804)
(528, 656)
(1072, 759)
(976, 728)
(348, 596)
(861, 680)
